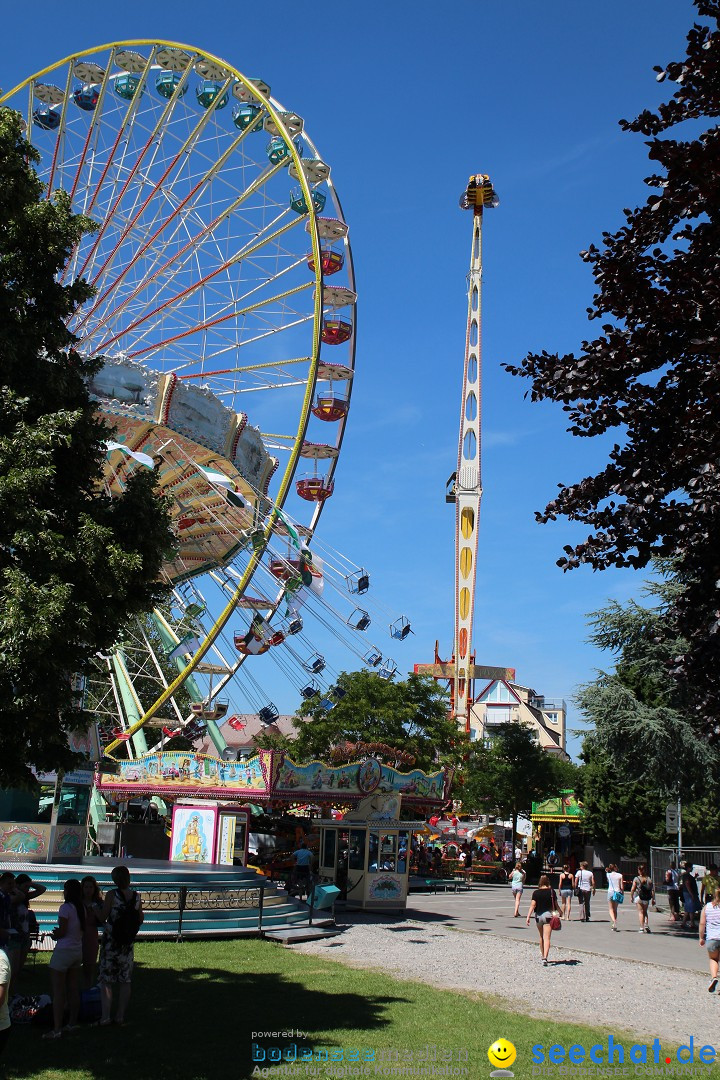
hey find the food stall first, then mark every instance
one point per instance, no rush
(367, 854)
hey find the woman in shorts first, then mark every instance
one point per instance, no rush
(517, 881)
(66, 961)
(543, 906)
(710, 936)
(615, 892)
(565, 887)
(642, 893)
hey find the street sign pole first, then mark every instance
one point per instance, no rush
(679, 831)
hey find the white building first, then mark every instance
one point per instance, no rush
(500, 702)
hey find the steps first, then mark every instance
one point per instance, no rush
(220, 901)
(290, 935)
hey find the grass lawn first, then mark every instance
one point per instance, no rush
(196, 1005)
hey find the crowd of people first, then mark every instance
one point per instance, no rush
(82, 916)
(429, 857)
(699, 898)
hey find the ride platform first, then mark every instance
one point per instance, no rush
(179, 900)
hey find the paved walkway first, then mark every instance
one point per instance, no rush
(489, 908)
(654, 985)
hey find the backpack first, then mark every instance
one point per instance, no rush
(90, 1008)
(124, 927)
(645, 891)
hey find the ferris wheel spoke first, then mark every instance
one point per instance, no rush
(95, 130)
(153, 139)
(187, 251)
(59, 141)
(222, 319)
(207, 230)
(246, 368)
(92, 128)
(181, 154)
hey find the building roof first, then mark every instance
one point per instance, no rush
(244, 739)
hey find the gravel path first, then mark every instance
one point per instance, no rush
(646, 999)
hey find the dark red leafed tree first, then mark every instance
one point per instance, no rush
(652, 375)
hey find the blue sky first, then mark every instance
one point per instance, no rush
(405, 102)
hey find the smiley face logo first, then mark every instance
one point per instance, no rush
(502, 1054)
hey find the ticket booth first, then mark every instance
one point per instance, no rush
(367, 854)
(204, 832)
(48, 823)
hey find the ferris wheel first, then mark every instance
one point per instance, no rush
(221, 266)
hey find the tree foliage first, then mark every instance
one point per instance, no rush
(644, 749)
(409, 716)
(510, 774)
(652, 375)
(75, 564)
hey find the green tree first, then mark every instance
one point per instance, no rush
(75, 564)
(651, 378)
(410, 715)
(510, 774)
(644, 748)
(640, 711)
(627, 815)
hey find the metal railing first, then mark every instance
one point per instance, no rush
(662, 858)
(187, 899)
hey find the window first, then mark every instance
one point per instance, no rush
(356, 859)
(499, 692)
(329, 848)
(498, 716)
(74, 802)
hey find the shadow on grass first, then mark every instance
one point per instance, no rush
(194, 1024)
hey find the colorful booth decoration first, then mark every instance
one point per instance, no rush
(267, 776)
(566, 807)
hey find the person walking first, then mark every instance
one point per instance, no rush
(584, 889)
(642, 893)
(710, 936)
(93, 904)
(123, 916)
(615, 892)
(4, 996)
(300, 876)
(517, 881)
(709, 884)
(66, 960)
(543, 906)
(672, 887)
(565, 888)
(691, 898)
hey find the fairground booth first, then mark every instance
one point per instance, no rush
(50, 823)
(356, 812)
(559, 825)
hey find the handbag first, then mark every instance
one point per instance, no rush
(617, 897)
(555, 923)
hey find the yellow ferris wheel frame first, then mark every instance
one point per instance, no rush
(291, 466)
